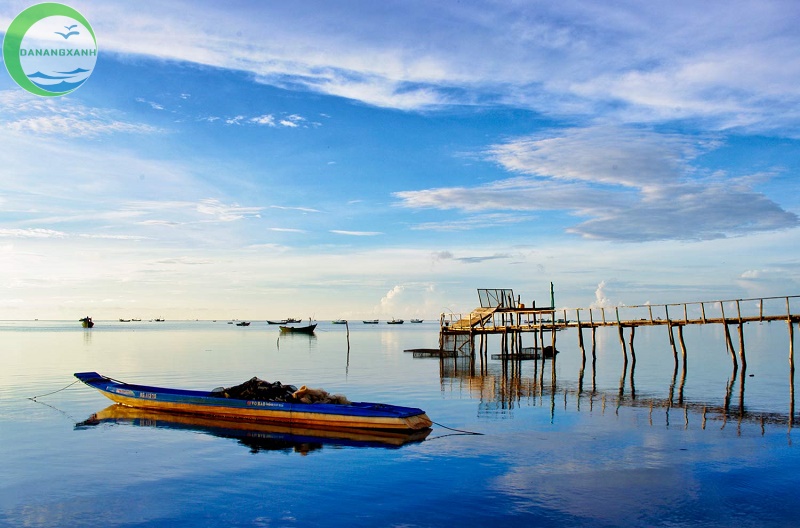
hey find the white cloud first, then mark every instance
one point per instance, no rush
(26, 113)
(287, 230)
(632, 62)
(32, 233)
(633, 185)
(227, 213)
(390, 300)
(356, 233)
(601, 299)
(266, 119)
(301, 209)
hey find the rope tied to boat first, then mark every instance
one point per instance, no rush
(457, 430)
(49, 393)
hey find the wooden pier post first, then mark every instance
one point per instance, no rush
(621, 338)
(742, 356)
(594, 359)
(671, 337)
(791, 371)
(683, 346)
(791, 363)
(633, 363)
(728, 341)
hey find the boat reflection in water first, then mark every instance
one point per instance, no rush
(256, 436)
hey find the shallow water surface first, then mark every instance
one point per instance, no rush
(621, 445)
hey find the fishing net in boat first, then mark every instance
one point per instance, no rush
(306, 395)
(261, 390)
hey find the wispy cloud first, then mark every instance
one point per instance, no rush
(633, 185)
(32, 233)
(482, 221)
(356, 233)
(301, 209)
(26, 113)
(657, 63)
(227, 213)
(152, 104)
(473, 259)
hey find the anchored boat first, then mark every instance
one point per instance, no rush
(298, 329)
(256, 436)
(361, 415)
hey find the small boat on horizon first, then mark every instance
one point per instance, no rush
(243, 323)
(339, 321)
(86, 322)
(395, 321)
(290, 320)
(358, 415)
(416, 320)
(371, 321)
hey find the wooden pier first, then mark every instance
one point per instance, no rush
(504, 314)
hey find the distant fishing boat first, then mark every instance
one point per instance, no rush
(360, 415)
(282, 321)
(298, 329)
(243, 323)
(339, 321)
(371, 321)
(395, 321)
(416, 320)
(86, 322)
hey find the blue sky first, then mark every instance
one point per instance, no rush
(386, 159)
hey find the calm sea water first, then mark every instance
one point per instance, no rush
(700, 448)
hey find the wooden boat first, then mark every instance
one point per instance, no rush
(256, 436)
(361, 415)
(416, 320)
(298, 329)
(243, 323)
(86, 322)
(395, 321)
(371, 321)
(282, 321)
(339, 321)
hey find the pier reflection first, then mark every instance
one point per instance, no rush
(501, 386)
(256, 437)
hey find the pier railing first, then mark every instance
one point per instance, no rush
(730, 311)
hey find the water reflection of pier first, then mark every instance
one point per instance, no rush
(502, 387)
(464, 347)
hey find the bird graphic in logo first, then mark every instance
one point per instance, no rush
(70, 32)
